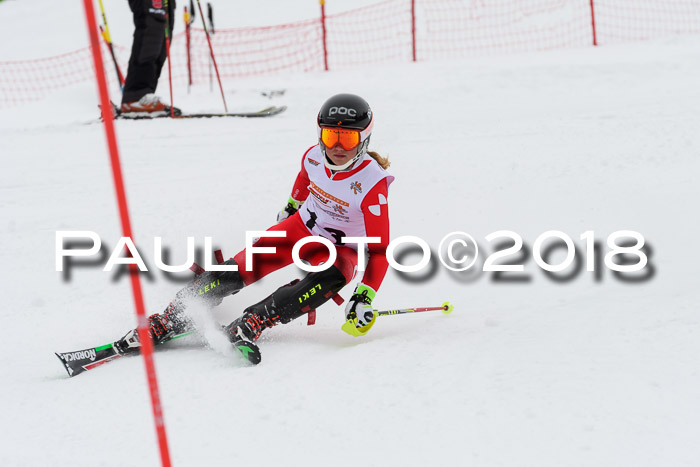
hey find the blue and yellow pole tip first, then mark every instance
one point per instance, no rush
(447, 308)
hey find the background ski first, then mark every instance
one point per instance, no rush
(80, 361)
(267, 112)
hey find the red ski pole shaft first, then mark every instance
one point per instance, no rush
(211, 51)
(446, 308)
(105, 36)
(108, 40)
(188, 20)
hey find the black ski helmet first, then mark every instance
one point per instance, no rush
(347, 111)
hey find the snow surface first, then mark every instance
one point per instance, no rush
(582, 373)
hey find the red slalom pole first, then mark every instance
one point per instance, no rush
(211, 50)
(413, 28)
(323, 33)
(595, 40)
(188, 21)
(146, 344)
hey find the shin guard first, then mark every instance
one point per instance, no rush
(289, 302)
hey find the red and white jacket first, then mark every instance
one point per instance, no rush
(350, 203)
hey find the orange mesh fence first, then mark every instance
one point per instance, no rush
(23, 81)
(454, 28)
(377, 34)
(288, 48)
(632, 20)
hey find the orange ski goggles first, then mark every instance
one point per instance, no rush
(348, 139)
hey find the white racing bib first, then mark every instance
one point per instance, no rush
(333, 208)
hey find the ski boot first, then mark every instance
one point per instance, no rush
(162, 328)
(209, 288)
(149, 105)
(286, 304)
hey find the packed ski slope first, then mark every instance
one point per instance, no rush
(581, 373)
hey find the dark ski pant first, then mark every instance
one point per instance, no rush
(148, 49)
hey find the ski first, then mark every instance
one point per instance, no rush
(80, 361)
(267, 112)
(116, 111)
(273, 93)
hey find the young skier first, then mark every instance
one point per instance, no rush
(341, 191)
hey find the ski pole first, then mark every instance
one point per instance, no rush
(210, 15)
(108, 40)
(349, 326)
(446, 308)
(211, 50)
(188, 20)
(167, 53)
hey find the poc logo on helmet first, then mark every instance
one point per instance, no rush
(342, 111)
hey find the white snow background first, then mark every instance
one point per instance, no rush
(582, 373)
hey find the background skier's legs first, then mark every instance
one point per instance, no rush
(148, 51)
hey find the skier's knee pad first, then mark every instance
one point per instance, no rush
(300, 296)
(213, 286)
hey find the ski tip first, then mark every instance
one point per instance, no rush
(249, 351)
(69, 370)
(447, 308)
(273, 110)
(267, 112)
